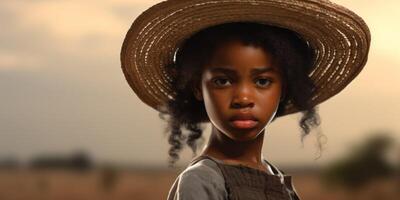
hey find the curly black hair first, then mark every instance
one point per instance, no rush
(291, 52)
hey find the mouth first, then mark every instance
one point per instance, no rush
(243, 121)
(244, 124)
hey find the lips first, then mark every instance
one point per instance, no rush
(244, 124)
(244, 121)
(243, 116)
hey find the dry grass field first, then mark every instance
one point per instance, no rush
(22, 184)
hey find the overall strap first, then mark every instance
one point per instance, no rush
(287, 181)
(275, 169)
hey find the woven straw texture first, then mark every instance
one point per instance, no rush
(339, 37)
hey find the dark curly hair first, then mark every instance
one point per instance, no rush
(292, 53)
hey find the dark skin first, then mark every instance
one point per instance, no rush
(239, 89)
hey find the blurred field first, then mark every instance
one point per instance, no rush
(23, 184)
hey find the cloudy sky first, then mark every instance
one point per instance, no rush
(62, 87)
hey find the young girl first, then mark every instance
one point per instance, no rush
(239, 65)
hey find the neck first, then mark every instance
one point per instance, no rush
(224, 148)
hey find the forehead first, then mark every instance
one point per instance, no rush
(235, 57)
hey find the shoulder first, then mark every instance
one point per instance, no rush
(205, 170)
(202, 180)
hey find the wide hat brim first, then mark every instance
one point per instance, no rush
(339, 37)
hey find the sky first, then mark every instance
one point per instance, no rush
(62, 88)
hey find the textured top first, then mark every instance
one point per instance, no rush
(209, 178)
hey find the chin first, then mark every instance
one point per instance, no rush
(244, 135)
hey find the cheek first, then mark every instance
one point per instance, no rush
(216, 101)
(269, 99)
(268, 103)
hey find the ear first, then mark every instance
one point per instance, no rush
(197, 91)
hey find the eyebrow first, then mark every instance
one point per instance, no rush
(253, 71)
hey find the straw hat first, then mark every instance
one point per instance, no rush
(339, 38)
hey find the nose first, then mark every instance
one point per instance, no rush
(243, 97)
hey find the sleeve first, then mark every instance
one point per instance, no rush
(195, 185)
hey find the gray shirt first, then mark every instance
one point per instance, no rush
(202, 180)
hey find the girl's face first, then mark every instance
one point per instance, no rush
(241, 90)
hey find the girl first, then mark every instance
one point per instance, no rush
(239, 65)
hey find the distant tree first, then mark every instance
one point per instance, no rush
(77, 161)
(9, 162)
(362, 165)
(81, 161)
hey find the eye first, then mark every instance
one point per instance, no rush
(220, 81)
(264, 82)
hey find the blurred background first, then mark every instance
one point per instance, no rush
(72, 128)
